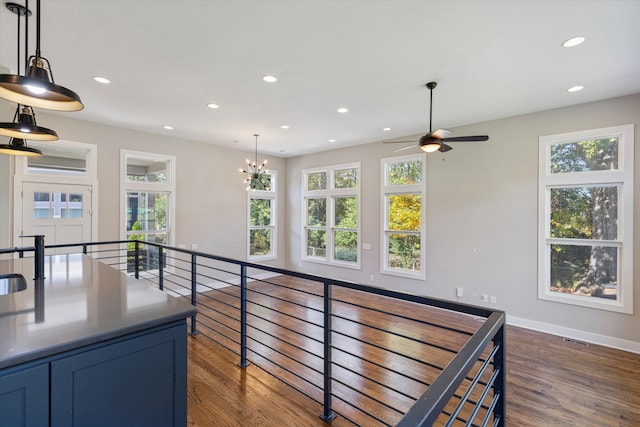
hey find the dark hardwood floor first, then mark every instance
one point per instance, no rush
(550, 382)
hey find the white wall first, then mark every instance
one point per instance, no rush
(482, 196)
(211, 205)
(479, 196)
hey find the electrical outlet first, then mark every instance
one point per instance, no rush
(182, 246)
(459, 292)
(194, 246)
(485, 298)
(493, 300)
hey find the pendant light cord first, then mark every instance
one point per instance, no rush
(38, 29)
(256, 162)
(18, 50)
(26, 37)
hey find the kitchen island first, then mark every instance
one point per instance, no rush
(89, 345)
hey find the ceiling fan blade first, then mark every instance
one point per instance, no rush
(405, 148)
(441, 133)
(395, 142)
(444, 148)
(467, 138)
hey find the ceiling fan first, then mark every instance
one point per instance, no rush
(435, 141)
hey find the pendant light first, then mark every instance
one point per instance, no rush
(37, 87)
(18, 147)
(257, 178)
(24, 126)
(24, 120)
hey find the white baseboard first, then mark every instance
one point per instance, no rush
(575, 334)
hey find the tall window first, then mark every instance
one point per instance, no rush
(262, 220)
(403, 216)
(331, 223)
(148, 188)
(586, 218)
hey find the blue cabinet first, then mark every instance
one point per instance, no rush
(135, 380)
(24, 397)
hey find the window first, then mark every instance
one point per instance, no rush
(57, 205)
(403, 216)
(66, 159)
(262, 219)
(148, 192)
(331, 223)
(586, 218)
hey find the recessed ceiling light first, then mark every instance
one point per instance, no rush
(332, 140)
(269, 79)
(212, 105)
(102, 80)
(342, 110)
(284, 127)
(575, 88)
(168, 127)
(386, 129)
(573, 42)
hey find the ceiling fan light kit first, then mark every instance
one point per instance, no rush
(435, 140)
(36, 88)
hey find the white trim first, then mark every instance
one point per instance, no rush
(90, 179)
(386, 190)
(576, 334)
(272, 195)
(330, 194)
(154, 187)
(622, 178)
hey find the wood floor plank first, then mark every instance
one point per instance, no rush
(550, 381)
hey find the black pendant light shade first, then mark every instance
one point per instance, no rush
(18, 147)
(24, 126)
(37, 87)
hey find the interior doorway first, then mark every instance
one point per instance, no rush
(56, 195)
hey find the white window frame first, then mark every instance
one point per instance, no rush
(89, 178)
(271, 195)
(622, 178)
(151, 187)
(389, 190)
(330, 194)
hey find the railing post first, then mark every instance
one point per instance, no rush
(160, 268)
(194, 284)
(500, 384)
(243, 317)
(327, 415)
(136, 259)
(84, 248)
(38, 256)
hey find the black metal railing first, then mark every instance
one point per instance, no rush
(336, 342)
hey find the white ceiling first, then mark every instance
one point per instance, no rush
(168, 59)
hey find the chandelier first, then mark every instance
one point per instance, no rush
(257, 177)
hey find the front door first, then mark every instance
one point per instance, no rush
(61, 212)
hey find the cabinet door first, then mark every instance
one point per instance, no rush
(137, 382)
(24, 397)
